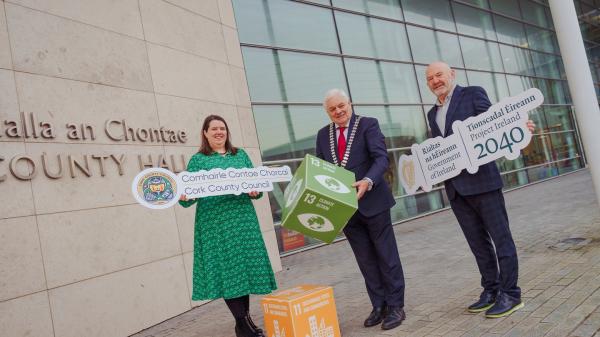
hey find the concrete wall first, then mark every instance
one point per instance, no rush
(78, 256)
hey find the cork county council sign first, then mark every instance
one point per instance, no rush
(501, 131)
(158, 188)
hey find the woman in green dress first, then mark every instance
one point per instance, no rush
(230, 258)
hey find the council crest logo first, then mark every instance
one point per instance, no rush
(332, 184)
(315, 222)
(156, 188)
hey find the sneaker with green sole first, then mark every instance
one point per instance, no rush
(504, 306)
(486, 301)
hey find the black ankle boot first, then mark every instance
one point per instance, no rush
(245, 328)
(258, 331)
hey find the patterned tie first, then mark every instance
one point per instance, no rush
(341, 143)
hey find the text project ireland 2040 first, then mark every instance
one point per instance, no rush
(501, 131)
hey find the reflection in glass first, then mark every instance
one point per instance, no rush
(507, 7)
(541, 39)
(285, 24)
(431, 13)
(429, 46)
(516, 60)
(563, 145)
(402, 126)
(281, 76)
(535, 13)
(381, 82)
(510, 31)
(494, 84)
(274, 131)
(480, 3)
(509, 165)
(385, 8)
(587, 6)
(538, 152)
(546, 65)
(542, 172)
(558, 118)
(565, 86)
(288, 131)
(411, 206)
(481, 55)
(501, 86)
(569, 165)
(549, 16)
(537, 116)
(588, 31)
(472, 21)
(518, 84)
(514, 179)
(263, 74)
(370, 37)
(593, 51)
(552, 90)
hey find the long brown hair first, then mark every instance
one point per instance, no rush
(205, 146)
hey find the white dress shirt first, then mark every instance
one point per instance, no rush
(442, 111)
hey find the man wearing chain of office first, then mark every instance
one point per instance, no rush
(357, 144)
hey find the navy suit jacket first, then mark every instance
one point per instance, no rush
(368, 158)
(464, 103)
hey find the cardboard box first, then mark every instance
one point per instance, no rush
(319, 200)
(303, 311)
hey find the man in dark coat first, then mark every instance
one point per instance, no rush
(356, 143)
(476, 199)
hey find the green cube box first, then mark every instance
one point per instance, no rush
(319, 200)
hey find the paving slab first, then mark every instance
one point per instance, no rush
(556, 227)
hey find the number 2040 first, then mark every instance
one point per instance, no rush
(491, 146)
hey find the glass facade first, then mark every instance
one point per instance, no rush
(588, 12)
(377, 51)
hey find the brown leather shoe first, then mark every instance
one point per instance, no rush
(394, 318)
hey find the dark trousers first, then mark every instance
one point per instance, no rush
(484, 222)
(374, 245)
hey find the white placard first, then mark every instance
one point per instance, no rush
(501, 131)
(158, 188)
(232, 181)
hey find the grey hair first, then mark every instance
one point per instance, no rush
(334, 93)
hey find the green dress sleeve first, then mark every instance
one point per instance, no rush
(193, 166)
(248, 163)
